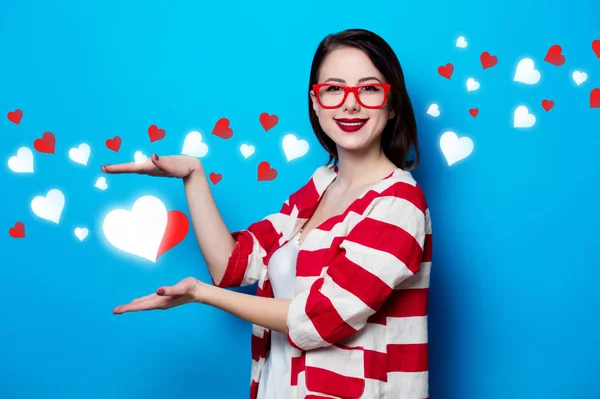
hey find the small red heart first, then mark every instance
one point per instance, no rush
(446, 70)
(554, 56)
(595, 98)
(547, 105)
(215, 177)
(177, 228)
(113, 144)
(474, 112)
(222, 129)
(155, 133)
(265, 172)
(268, 121)
(46, 144)
(487, 60)
(596, 47)
(18, 231)
(15, 116)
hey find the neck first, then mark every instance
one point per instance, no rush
(356, 170)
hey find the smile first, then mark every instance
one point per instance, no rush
(350, 125)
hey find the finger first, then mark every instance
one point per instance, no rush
(143, 298)
(167, 164)
(128, 167)
(148, 304)
(178, 289)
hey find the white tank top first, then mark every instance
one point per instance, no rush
(275, 380)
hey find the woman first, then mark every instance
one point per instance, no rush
(343, 267)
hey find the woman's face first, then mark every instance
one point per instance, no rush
(351, 126)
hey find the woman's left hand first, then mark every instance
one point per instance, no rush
(166, 297)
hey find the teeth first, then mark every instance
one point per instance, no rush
(351, 123)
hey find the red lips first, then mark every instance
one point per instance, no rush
(350, 128)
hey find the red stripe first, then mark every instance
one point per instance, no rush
(375, 365)
(260, 345)
(328, 382)
(407, 357)
(321, 312)
(298, 365)
(238, 260)
(253, 390)
(428, 248)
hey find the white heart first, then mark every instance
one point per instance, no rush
(80, 154)
(81, 233)
(522, 117)
(139, 157)
(247, 150)
(579, 77)
(461, 42)
(455, 149)
(526, 72)
(434, 110)
(472, 84)
(140, 231)
(101, 183)
(193, 145)
(293, 147)
(49, 207)
(22, 162)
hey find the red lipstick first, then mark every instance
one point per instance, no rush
(350, 124)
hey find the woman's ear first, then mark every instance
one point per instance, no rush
(315, 104)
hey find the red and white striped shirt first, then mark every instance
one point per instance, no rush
(358, 319)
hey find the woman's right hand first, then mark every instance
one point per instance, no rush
(178, 166)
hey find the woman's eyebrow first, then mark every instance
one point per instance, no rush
(359, 81)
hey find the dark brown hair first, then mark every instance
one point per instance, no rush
(400, 132)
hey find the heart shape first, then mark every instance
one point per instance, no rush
(487, 60)
(155, 133)
(472, 84)
(294, 148)
(595, 98)
(547, 105)
(265, 172)
(215, 177)
(434, 110)
(247, 150)
(80, 154)
(554, 55)
(17, 231)
(446, 70)
(268, 121)
(22, 162)
(139, 157)
(113, 144)
(222, 129)
(193, 145)
(522, 117)
(50, 206)
(45, 144)
(461, 42)
(148, 230)
(15, 116)
(579, 77)
(81, 233)
(596, 47)
(101, 183)
(474, 112)
(526, 72)
(455, 149)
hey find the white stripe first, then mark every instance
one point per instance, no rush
(419, 280)
(407, 330)
(350, 308)
(381, 264)
(301, 329)
(371, 337)
(408, 385)
(257, 368)
(347, 362)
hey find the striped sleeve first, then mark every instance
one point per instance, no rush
(383, 249)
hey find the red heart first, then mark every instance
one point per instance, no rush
(474, 112)
(487, 60)
(113, 144)
(155, 133)
(595, 98)
(596, 47)
(46, 143)
(268, 121)
(18, 231)
(265, 172)
(215, 177)
(177, 228)
(547, 105)
(554, 56)
(15, 116)
(222, 129)
(446, 70)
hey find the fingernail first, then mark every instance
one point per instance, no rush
(156, 156)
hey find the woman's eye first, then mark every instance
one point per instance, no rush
(334, 88)
(371, 88)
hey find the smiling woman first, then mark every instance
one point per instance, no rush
(343, 267)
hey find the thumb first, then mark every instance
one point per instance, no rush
(167, 164)
(171, 290)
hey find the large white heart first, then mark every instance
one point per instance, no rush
(139, 231)
(522, 117)
(80, 154)
(49, 207)
(193, 145)
(293, 147)
(22, 162)
(526, 72)
(455, 149)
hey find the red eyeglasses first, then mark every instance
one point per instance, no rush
(371, 95)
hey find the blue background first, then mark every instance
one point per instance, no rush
(514, 289)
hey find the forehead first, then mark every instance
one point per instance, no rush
(349, 64)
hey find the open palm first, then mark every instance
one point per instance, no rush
(165, 297)
(179, 166)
